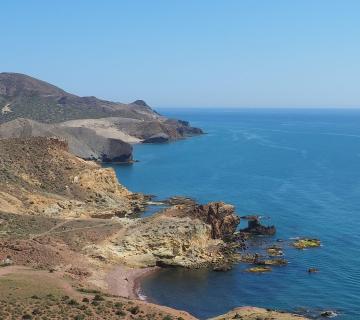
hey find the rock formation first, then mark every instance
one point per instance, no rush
(256, 228)
(219, 215)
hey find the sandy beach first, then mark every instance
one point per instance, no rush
(126, 282)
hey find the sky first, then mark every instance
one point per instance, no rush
(189, 53)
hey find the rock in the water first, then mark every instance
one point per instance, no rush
(274, 251)
(259, 269)
(306, 243)
(256, 228)
(328, 314)
(273, 262)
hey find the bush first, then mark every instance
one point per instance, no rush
(73, 302)
(134, 310)
(98, 297)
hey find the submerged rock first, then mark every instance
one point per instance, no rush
(306, 243)
(328, 314)
(259, 269)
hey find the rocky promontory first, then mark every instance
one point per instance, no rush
(95, 129)
(187, 236)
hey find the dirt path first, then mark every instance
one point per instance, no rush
(33, 236)
(52, 230)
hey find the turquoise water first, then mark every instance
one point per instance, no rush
(299, 167)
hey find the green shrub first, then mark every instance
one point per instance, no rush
(134, 310)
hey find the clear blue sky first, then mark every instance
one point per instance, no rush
(222, 53)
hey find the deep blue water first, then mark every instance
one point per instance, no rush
(299, 167)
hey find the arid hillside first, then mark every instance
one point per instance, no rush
(39, 176)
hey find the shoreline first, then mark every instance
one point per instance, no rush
(126, 281)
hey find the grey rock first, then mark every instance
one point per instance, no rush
(157, 138)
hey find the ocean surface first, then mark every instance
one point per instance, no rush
(299, 168)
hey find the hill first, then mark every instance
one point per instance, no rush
(94, 129)
(26, 97)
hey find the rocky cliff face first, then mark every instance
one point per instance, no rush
(83, 142)
(219, 215)
(39, 176)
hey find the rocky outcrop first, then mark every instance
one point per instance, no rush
(183, 235)
(253, 313)
(157, 138)
(256, 228)
(39, 176)
(219, 215)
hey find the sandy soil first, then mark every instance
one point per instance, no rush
(103, 127)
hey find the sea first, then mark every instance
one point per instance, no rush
(300, 170)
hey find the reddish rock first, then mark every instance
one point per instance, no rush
(219, 215)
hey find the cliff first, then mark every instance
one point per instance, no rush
(83, 142)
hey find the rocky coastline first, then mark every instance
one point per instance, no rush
(72, 219)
